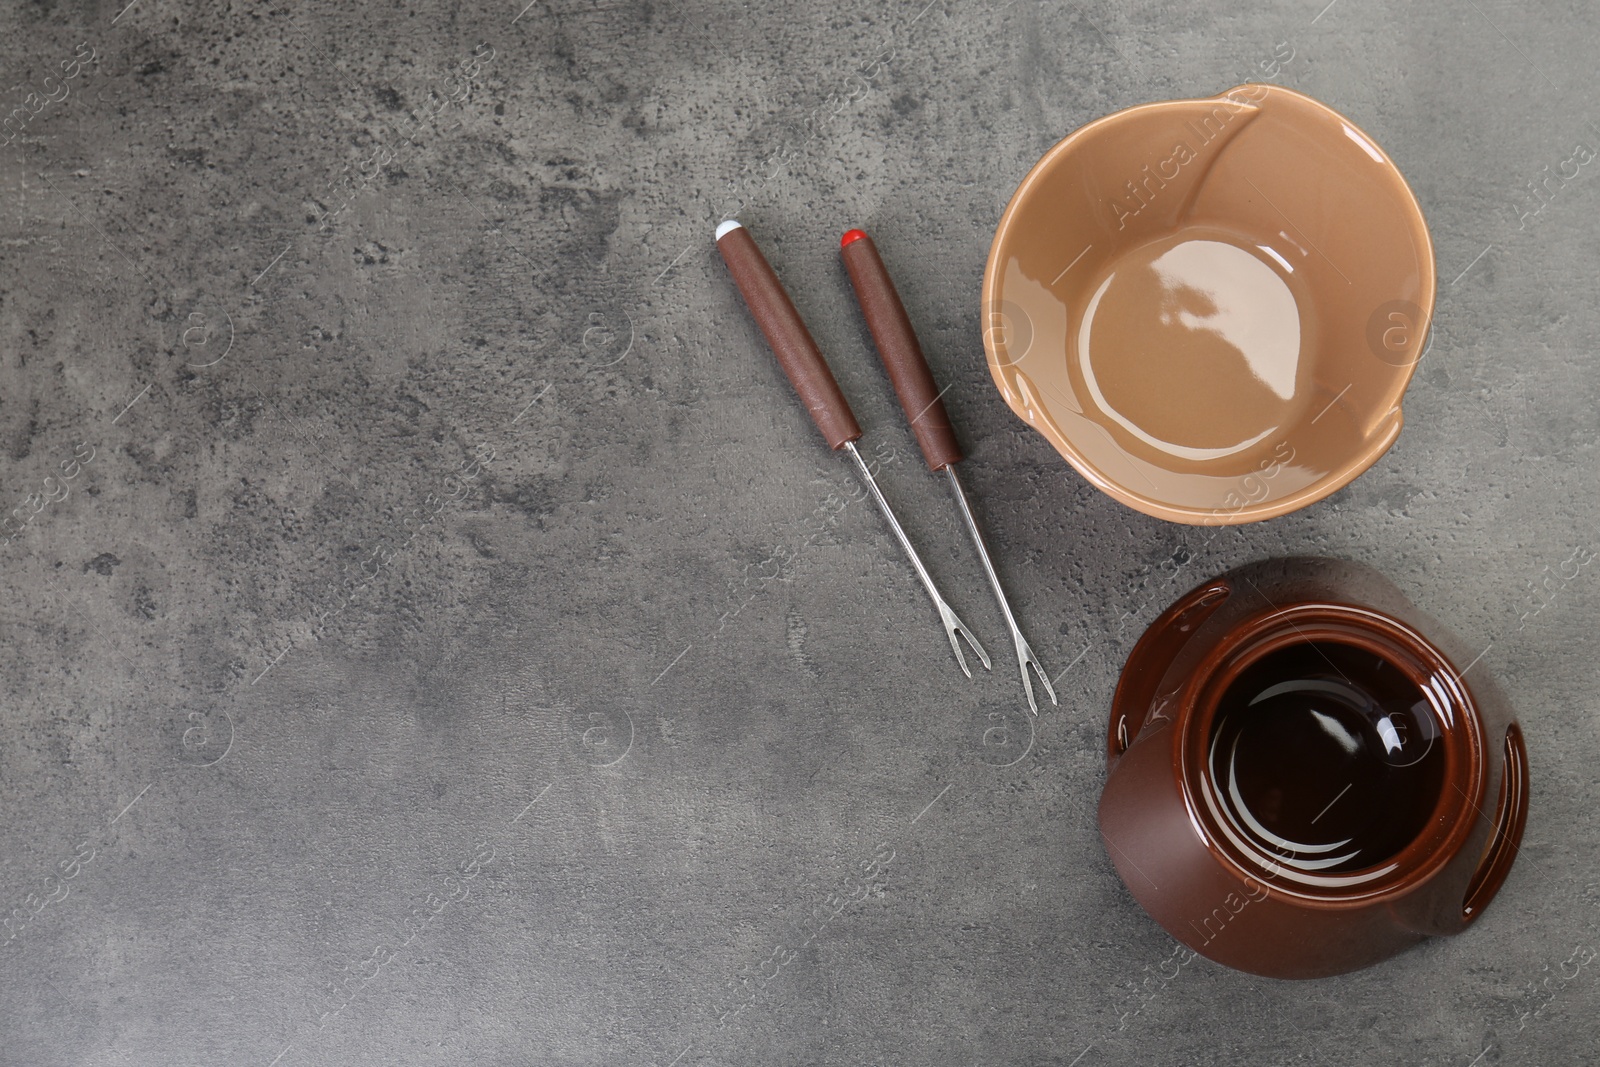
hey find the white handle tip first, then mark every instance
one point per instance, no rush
(726, 227)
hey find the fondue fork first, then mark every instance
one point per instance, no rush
(913, 383)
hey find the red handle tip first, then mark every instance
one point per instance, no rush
(851, 236)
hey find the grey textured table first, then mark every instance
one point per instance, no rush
(431, 630)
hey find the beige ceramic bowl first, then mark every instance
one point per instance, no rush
(1212, 307)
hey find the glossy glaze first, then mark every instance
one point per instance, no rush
(1185, 296)
(1325, 758)
(1291, 846)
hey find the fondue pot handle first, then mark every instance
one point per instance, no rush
(1510, 818)
(1150, 658)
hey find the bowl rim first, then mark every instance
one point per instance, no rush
(1375, 445)
(1466, 747)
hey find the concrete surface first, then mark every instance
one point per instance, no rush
(437, 636)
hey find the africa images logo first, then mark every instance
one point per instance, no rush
(1142, 192)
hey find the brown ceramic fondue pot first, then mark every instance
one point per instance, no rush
(1301, 780)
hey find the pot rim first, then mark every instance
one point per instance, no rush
(1453, 817)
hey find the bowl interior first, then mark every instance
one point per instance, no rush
(1212, 307)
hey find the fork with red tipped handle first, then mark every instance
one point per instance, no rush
(902, 357)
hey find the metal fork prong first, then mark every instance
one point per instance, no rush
(955, 646)
(953, 626)
(1026, 659)
(1027, 687)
